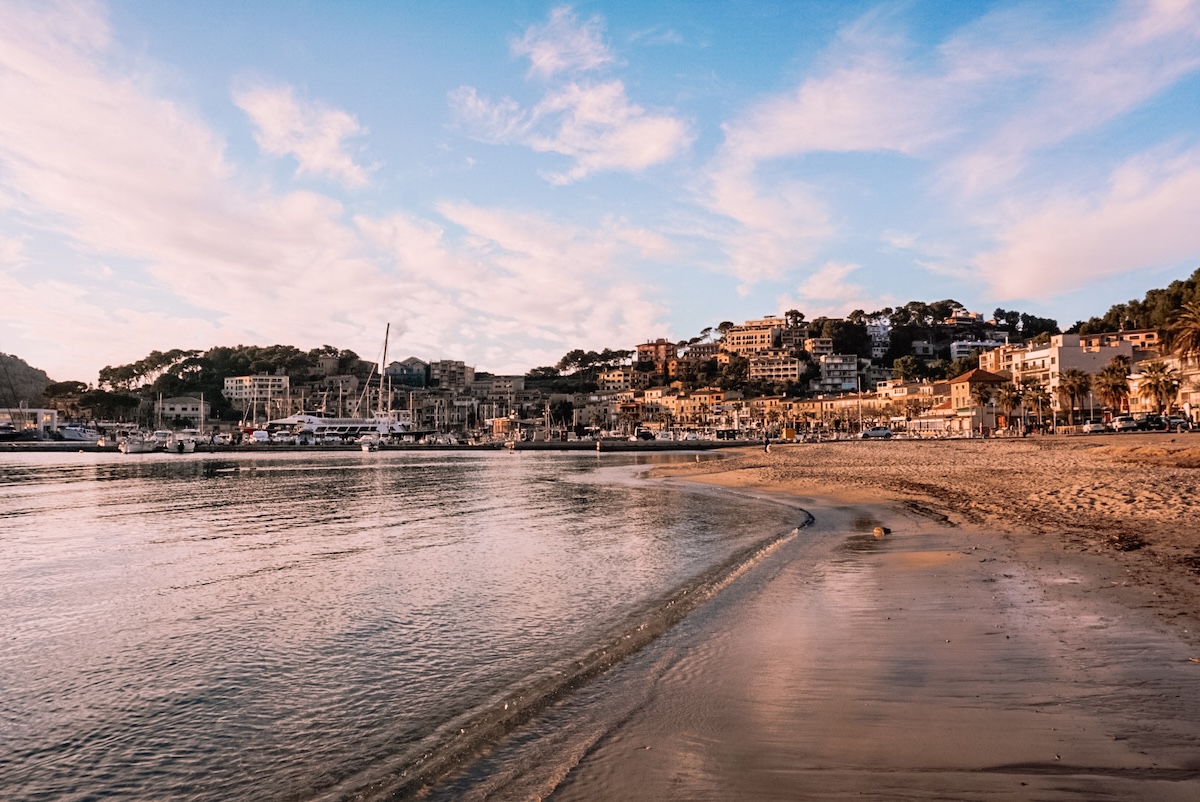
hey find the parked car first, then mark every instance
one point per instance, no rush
(1123, 423)
(1179, 424)
(1094, 426)
(877, 433)
(1152, 423)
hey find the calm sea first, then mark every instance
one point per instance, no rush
(300, 626)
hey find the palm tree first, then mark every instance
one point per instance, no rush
(1073, 385)
(1160, 383)
(981, 394)
(1008, 397)
(1034, 395)
(1112, 386)
(1183, 335)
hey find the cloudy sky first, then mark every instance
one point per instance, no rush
(503, 182)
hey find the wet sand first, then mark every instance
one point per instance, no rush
(997, 644)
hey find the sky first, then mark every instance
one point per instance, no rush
(505, 182)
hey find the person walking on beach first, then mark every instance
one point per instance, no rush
(766, 443)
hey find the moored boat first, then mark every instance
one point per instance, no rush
(182, 442)
(138, 443)
(78, 432)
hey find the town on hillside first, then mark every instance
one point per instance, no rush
(922, 370)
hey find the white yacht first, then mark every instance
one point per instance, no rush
(78, 432)
(321, 428)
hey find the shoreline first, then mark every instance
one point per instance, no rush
(1002, 641)
(1134, 504)
(67, 447)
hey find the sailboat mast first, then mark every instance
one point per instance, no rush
(382, 368)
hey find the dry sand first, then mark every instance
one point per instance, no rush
(1026, 630)
(1132, 498)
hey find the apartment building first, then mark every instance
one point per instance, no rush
(776, 368)
(1043, 364)
(657, 351)
(818, 346)
(754, 336)
(879, 329)
(961, 348)
(701, 352)
(258, 389)
(615, 379)
(451, 373)
(839, 374)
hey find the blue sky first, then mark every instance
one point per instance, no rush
(504, 182)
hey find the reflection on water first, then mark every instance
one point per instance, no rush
(276, 626)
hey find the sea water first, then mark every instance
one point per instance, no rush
(316, 626)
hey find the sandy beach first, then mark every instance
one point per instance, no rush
(1025, 630)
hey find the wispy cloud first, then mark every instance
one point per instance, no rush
(12, 251)
(992, 98)
(564, 43)
(593, 123)
(124, 175)
(1146, 218)
(311, 132)
(827, 291)
(1045, 90)
(519, 275)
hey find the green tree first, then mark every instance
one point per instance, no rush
(1111, 384)
(909, 368)
(1073, 385)
(1183, 334)
(105, 405)
(981, 395)
(1008, 396)
(1160, 383)
(1035, 397)
(964, 364)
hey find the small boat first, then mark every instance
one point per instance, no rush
(369, 442)
(182, 442)
(138, 443)
(11, 434)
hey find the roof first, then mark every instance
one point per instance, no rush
(979, 375)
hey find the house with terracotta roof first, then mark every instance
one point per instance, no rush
(969, 415)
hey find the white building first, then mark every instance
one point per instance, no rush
(776, 368)
(242, 391)
(961, 348)
(839, 374)
(880, 332)
(184, 407)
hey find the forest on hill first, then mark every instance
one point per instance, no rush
(20, 383)
(1155, 311)
(179, 372)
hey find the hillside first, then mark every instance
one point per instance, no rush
(20, 383)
